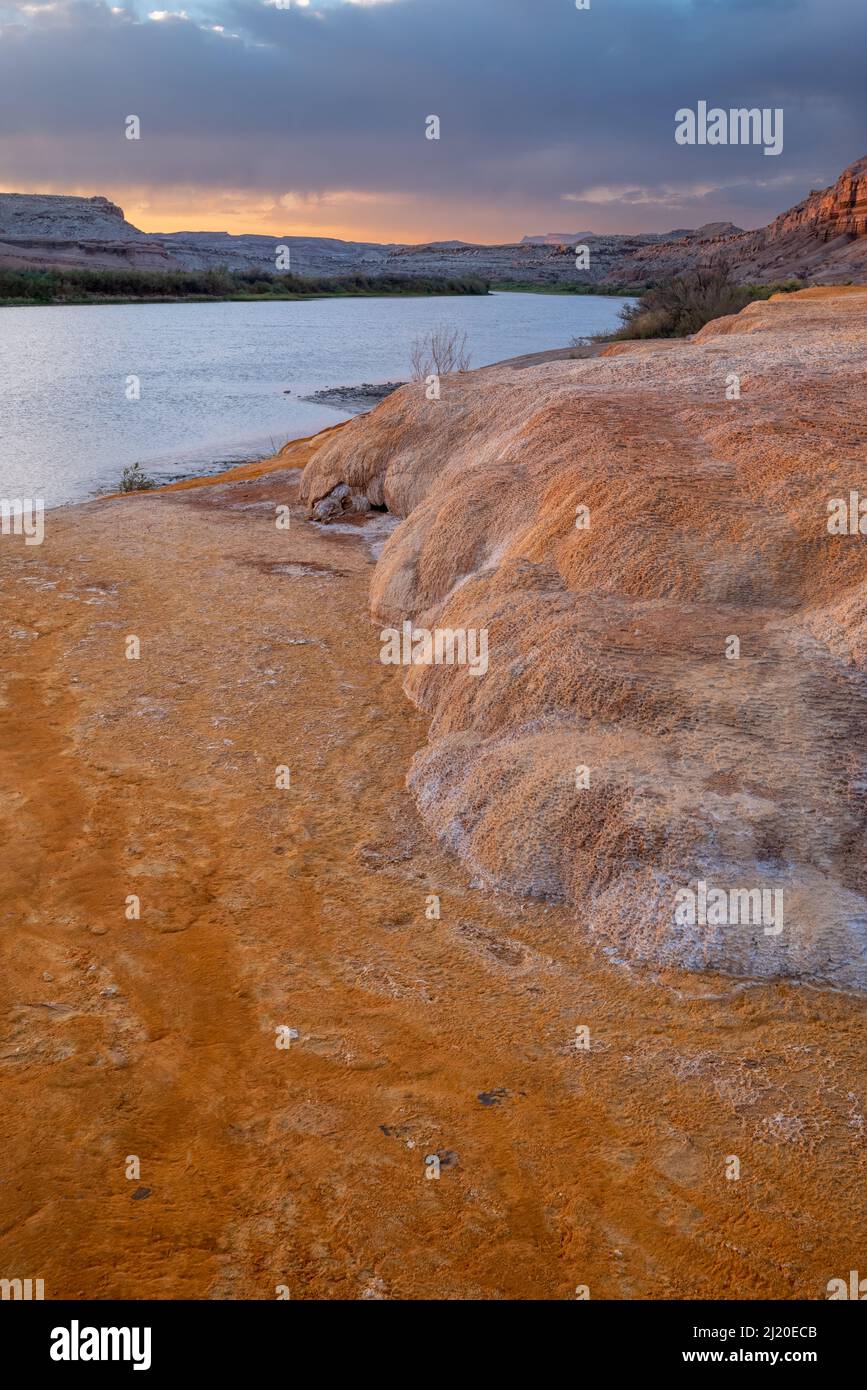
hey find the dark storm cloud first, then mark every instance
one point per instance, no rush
(538, 101)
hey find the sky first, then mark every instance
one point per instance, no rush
(294, 117)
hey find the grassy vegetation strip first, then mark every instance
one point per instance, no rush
(60, 285)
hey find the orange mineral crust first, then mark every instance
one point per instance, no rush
(252, 984)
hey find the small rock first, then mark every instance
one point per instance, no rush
(493, 1097)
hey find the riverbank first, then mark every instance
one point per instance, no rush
(76, 286)
(600, 1160)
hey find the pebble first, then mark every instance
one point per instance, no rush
(492, 1097)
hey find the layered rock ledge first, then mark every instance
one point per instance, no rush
(707, 468)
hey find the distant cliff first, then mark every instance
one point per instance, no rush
(38, 229)
(42, 229)
(57, 218)
(840, 210)
(823, 240)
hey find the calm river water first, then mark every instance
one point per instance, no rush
(214, 377)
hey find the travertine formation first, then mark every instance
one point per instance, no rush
(699, 648)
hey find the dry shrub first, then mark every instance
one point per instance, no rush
(439, 353)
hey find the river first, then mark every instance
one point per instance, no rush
(187, 388)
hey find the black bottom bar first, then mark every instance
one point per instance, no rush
(283, 1338)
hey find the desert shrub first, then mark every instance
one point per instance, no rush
(133, 479)
(685, 304)
(438, 353)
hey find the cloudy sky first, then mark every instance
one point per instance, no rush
(308, 116)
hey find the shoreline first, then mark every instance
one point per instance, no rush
(226, 299)
(250, 468)
(244, 471)
(591, 291)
